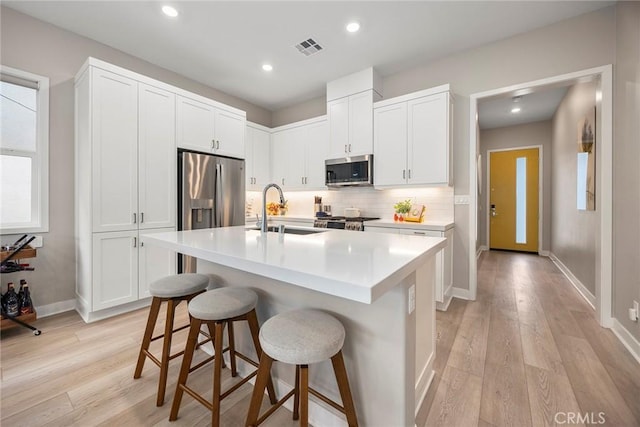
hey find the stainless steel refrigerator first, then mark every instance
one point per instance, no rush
(210, 194)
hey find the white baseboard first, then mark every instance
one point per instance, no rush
(461, 293)
(544, 253)
(55, 308)
(480, 250)
(443, 306)
(424, 382)
(93, 316)
(582, 290)
(628, 340)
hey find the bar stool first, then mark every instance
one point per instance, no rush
(172, 289)
(219, 308)
(300, 338)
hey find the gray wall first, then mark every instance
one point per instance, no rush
(573, 233)
(40, 48)
(626, 172)
(575, 44)
(538, 133)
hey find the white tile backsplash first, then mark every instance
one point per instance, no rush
(372, 203)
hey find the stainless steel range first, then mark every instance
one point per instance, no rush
(342, 223)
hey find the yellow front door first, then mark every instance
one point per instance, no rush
(513, 200)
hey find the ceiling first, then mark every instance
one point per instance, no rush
(224, 43)
(534, 107)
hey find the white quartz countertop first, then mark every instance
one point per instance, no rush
(348, 264)
(425, 225)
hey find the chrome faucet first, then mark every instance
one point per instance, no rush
(263, 224)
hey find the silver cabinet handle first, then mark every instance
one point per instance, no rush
(345, 148)
(282, 181)
(141, 217)
(305, 179)
(134, 218)
(218, 144)
(420, 233)
(213, 143)
(349, 147)
(302, 180)
(409, 173)
(404, 174)
(141, 243)
(135, 242)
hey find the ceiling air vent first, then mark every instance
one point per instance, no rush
(308, 47)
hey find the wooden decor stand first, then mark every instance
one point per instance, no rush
(23, 250)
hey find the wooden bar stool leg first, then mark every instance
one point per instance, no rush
(212, 334)
(304, 396)
(264, 375)
(148, 334)
(296, 395)
(232, 349)
(166, 350)
(192, 340)
(252, 319)
(345, 391)
(217, 377)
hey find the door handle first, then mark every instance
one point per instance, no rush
(493, 210)
(135, 242)
(141, 217)
(218, 208)
(134, 218)
(213, 143)
(345, 148)
(349, 148)
(404, 174)
(409, 174)
(218, 144)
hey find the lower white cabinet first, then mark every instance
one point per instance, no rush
(122, 268)
(444, 259)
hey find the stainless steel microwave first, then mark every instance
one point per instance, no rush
(349, 171)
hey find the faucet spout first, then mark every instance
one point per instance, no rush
(263, 225)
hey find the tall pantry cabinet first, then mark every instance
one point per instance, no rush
(125, 166)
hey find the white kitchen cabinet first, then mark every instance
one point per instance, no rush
(257, 151)
(202, 126)
(298, 153)
(156, 158)
(351, 125)
(154, 262)
(115, 269)
(412, 139)
(125, 174)
(444, 259)
(113, 138)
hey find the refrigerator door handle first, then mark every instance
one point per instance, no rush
(219, 212)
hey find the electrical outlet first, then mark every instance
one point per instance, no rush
(461, 200)
(634, 313)
(37, 242)
(412, 298)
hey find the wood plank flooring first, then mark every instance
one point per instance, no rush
(527, 349)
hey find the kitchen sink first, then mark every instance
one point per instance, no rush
(299, 231)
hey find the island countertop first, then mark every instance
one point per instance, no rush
(348, 264)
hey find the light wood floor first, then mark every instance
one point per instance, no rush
(526, 349)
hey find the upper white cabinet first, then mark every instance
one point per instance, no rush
(204, 126)
(412, 137)
(298, 152)
(350, 113)
(258, 149)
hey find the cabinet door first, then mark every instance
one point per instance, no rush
(390, 145)
(296, 139)
(115, 269)
(157, 158)
(230, 131)
(114, 160)
(428, 139)
(316, 153)
(154, 263)
(249, 158)
(338, 115)
(279, 157)
(261, 150)
(195, 123)
(361, 124)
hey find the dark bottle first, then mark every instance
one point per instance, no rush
(21, 293)
(12, 302)
(27, 304)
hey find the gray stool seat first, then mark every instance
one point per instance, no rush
(302, 337)
(223, 303)
(179, 285)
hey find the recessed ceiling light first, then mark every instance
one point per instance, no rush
(267, 67)
(515, 110)
(353, 27)
(170, 11)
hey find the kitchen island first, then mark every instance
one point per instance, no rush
(381, 287)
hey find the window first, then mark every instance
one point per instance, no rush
(24, 152)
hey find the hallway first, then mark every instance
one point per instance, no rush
(528, 352)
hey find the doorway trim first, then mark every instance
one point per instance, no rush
(604, 203)
(540, 187)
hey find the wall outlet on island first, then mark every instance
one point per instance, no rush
(634, 313)
(412, 298)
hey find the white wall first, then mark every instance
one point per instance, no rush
(538, 133)
(41, 48)
(626, 171)
(574, 233)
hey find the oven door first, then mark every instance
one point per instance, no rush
(357, 170)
